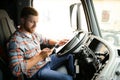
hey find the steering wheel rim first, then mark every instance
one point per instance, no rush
(75, 42)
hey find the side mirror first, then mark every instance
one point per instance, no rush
(75, 16)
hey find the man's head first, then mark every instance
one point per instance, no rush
(29, 19)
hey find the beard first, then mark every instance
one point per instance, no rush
(29, 29)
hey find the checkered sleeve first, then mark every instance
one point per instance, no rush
(17, 63)
(43, 39)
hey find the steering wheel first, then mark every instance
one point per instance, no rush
(72, 44)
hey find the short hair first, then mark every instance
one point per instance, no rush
(26, 11)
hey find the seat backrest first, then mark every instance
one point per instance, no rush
(6, 29)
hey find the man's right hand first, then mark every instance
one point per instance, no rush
(45, 52)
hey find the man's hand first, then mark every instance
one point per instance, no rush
(62, 42)
(45, 52)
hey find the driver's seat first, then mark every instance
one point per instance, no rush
(6, 29)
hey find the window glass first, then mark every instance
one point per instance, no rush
(108, 14)
(54, 18)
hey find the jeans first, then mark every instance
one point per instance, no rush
(48, 71)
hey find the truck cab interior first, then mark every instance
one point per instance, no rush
(94, 57)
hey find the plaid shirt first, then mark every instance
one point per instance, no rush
(21, 47)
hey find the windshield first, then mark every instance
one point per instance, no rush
(108, 15)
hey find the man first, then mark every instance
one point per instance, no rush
(26, 56)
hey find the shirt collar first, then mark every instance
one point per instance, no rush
(23, 34)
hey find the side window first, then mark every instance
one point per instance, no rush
(108, 14)
(54, 18)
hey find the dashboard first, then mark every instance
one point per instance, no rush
(92, 56)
